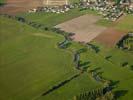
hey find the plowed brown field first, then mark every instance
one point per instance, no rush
(17, 6)
(84, 28)
(110, 37)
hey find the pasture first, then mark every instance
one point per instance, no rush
(122, 77)
(29, 65)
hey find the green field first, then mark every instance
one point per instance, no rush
(2, 2)
(28, 65)
(52, 19)
(126, 24)
(74, 1)
(111, 70)
(31, 63)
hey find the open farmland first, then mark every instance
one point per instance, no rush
(107, 68)
(122, 77)
(30, 65)
(27, 58)
(34, 67)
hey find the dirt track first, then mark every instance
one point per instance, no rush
(84, 28)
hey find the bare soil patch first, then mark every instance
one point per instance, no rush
(110, 37)
(84, 28)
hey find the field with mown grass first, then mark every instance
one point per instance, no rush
(31, 63)
(74, 1)
(111, 69)
(126, 23)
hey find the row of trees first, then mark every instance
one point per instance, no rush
(97, 94)
(23, 20)
(66, 35)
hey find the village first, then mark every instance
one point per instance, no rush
(109, 10)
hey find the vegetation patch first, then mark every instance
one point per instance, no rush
(126, 42)
(2, 2)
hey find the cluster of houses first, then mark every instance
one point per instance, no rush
(109, 10)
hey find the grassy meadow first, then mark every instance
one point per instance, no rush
(2, 2)
(126, 23)
(52, 19)
(31, 63)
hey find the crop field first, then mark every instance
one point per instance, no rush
(112, 35)
(33, 67)
(19, 6)
(84, 28)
